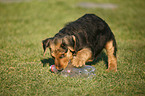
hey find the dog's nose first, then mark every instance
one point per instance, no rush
(60, 69)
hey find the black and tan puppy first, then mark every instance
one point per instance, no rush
(82, 40)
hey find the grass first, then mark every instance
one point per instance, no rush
(24, 25)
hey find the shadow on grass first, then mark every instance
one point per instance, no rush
(101, 56)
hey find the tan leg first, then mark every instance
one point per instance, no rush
(81, 57)
(112, 60)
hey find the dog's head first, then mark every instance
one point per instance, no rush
(61, 49)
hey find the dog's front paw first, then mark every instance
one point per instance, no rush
(78, 62)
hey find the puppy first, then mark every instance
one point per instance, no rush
(81, 41)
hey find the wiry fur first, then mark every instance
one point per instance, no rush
(89, 34)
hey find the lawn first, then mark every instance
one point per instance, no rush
(24, 70)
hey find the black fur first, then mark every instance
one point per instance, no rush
(90, 31)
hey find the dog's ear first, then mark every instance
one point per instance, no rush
(45, 44)
(70, 41)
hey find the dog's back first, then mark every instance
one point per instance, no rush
(82, 40)
(88, 30)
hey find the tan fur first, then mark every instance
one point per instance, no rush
(112, 60)
(81, 57)
(66, 38)
(61, 63)
(57, 52)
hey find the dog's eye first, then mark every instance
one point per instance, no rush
(63, 46)
(62, 56)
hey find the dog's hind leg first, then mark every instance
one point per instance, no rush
(111, 52)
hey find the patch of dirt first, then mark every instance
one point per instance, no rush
(14, 1)
(97, 5)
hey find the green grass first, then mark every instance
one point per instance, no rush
(24, 25)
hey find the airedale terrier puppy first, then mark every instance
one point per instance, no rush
(81, 41)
